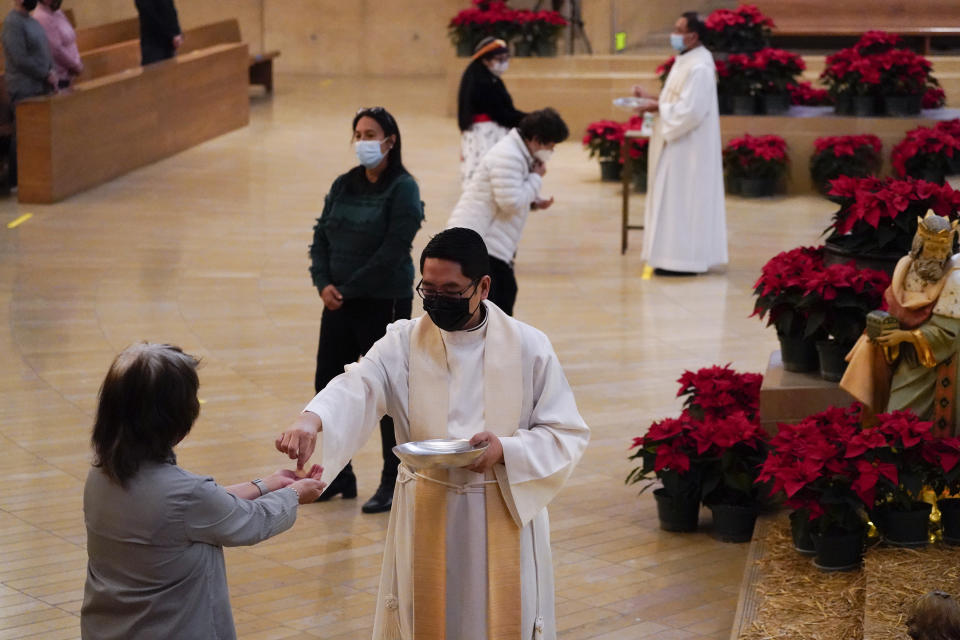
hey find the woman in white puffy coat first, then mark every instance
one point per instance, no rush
(502, 191)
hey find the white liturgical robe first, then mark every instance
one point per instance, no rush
(685, 227)
(548, 442)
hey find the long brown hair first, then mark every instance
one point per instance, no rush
(148, 403)
(936, 616)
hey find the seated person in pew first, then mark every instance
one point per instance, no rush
(62, 40)
(29, 66)
(160, 34)
(155, 531)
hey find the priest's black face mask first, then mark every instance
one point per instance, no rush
(450, 312)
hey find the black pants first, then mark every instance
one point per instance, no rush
(345, 335)
(503, 285)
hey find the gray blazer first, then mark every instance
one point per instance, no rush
(155, 567)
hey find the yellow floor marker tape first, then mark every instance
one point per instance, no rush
(647, 272)
(19, 221)
(202, 401)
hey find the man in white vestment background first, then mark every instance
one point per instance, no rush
(468, 550)
(685, 228)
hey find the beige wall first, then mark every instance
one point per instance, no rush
(378, 37)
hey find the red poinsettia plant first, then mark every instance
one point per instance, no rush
(743, 29)
(638, 148)
(879, 216)
(804, 94)
(808, 467)
(756, 157)
(663, 70)
(934, 98)
(604, 139)
(926, 152)
(781, 287)
(720, 391)
(835, 156)
(776, 69)
(715, 447)
(897, 457)
(539, 26)
(837, 299)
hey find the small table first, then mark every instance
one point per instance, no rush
(626, 176)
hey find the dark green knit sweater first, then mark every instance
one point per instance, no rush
(363, 238)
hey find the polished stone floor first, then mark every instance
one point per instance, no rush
(208, 250)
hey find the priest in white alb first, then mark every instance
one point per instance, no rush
(467, 552)
(685, 227)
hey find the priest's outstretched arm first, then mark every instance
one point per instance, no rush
(348, 409)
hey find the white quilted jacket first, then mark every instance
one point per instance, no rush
(496, 201)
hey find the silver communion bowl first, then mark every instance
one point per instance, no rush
(441, 453)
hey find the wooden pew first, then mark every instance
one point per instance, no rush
(920, 21)
(117, 57)
(71, 142)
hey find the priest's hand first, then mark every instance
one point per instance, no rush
(300, 439)
(540, 204)
(640, 92)
(490, 457)
(895, 337)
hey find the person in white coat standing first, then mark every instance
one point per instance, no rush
(503, 190)
(685, 222)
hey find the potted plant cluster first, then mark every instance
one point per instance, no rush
(836, 302)
(808, 467)
(755, 166)
(710, 454)
(530, 32)
(928, 153)
(741, 30)
(603, 140)
(760, 81)
(877, 218)
(877, 76)
(835, 156)
(638, 150)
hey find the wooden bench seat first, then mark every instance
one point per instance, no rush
(111, 125)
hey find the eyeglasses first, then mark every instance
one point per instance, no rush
(424, 292)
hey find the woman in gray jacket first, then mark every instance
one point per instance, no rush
(156, 532)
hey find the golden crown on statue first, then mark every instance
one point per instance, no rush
(936, 230)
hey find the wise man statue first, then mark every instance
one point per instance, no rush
(911, 362)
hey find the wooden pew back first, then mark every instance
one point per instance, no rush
(70, 142)
(126, 55)
(107, 34)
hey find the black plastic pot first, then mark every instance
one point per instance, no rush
(724, 103)
(906, 528)
(801, 532)
(733, 522)
(640, 182)
(832, 356)
(545, 48)
(677, 513)
(838, 551)
(843, 106)
(864, 106)
(901, 106)
(776, 104)
(610, 170)
(758, 187)
(798, 354)
(464, 49)
(743, 105)
(933, 175)
(950, 519)
(523, 48)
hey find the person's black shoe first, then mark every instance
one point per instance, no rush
(668, 272)
(381, 501)
(345, 484)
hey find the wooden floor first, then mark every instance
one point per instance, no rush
(208, 250)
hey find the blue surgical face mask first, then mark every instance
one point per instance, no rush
(676, 41)
(369, 153)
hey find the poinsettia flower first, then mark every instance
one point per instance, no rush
(864, 441)
(869, 473)
(668, 457)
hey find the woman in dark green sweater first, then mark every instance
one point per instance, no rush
(361, 265)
